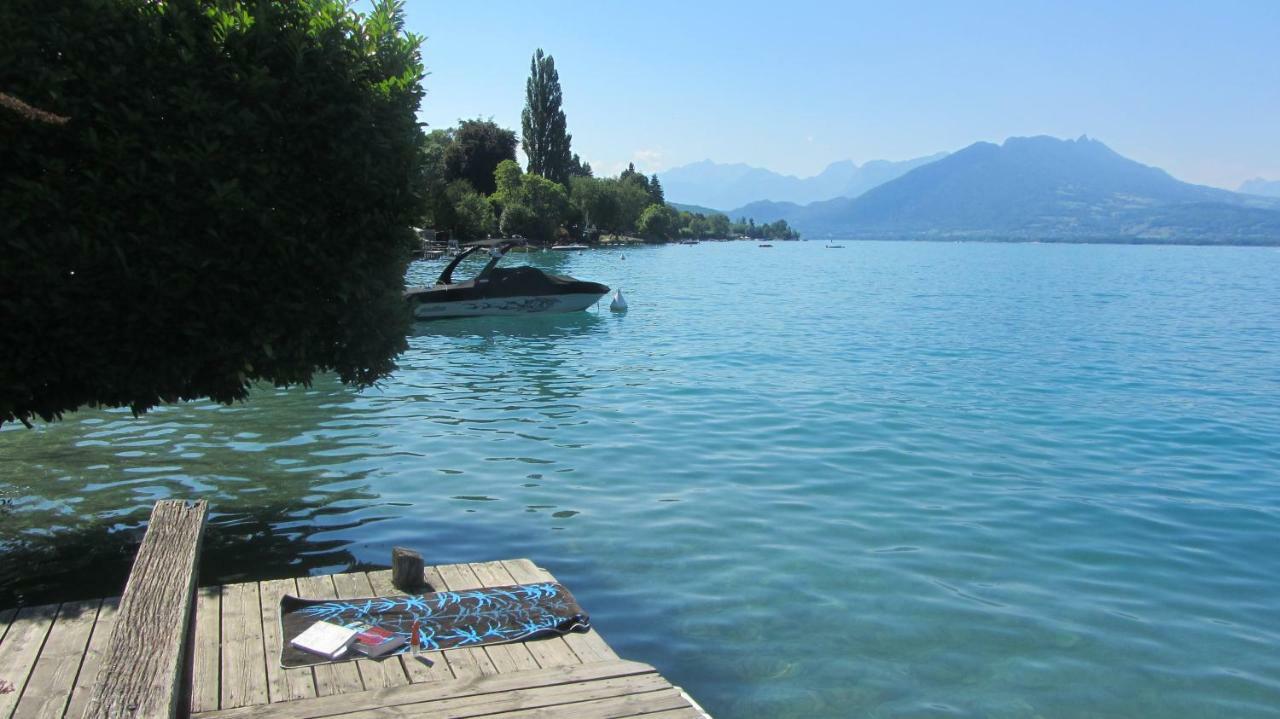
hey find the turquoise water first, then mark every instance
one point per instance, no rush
(890, 480)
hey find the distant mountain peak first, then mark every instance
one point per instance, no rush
(840, 165)
(1261, 186)
(710, 184)
(1042, 188)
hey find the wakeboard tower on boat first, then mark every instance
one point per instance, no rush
(501, 290)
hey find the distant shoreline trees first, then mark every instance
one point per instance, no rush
(556, 196)
(540, 209)
(478, 147)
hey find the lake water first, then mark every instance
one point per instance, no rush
(889, 480)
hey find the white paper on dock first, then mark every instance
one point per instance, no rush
(326, 639)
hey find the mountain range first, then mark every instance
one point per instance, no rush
(711, 184)
(1036, 188)
(1259, 186)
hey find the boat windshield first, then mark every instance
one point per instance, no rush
(496, 248)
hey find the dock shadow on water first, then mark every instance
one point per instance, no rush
(292, 476)
(80, 492)
(93, 559)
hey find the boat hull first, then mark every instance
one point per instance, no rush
(506, 306)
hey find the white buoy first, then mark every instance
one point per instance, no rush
(619, 304)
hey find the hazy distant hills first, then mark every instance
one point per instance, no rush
(699, 209)
(1259, 186)
(1037, 188)
(710, 184)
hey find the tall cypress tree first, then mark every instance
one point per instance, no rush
(542, 123)
(655, 191)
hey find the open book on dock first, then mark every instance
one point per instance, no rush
(326, 639)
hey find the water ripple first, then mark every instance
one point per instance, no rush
(898, 480)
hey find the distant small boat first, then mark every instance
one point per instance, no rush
(569, 248)
(765, 244)
(835, 247)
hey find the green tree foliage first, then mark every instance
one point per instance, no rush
(611, 205)
(473, 215)
(531, 205)
(507, 179)
(698, 226)
(451, 161)
(632, 204)
(655, 191)
(634, 177)
(719, 226)
(518, 219)
(772, 231)
(632, 199)
(549, 202)
(579, 168)
(437, 209)
(657, 222)
(544, 136)
(478, 147)
(227, 200)
(598, 201)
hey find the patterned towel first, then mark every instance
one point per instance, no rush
(495, 615)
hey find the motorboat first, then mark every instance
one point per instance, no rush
(497, 290)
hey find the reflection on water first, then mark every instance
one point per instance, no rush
(906, 480)
(287, 473)
(498, 331)
(83, 490)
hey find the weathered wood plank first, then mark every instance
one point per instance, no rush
(548, 651)
(419, 694)
(573, 707)
(431, 667)
(469, 662)
(54, 676)
(283, 684)
(142, 670)
(20, 650)
(685, 713)
(590, 647)
(206, 652)
(88, 673)
(380, 673)
(6, 617)
(244, 671)
(598, 699)
(698, 710)
(334, 678)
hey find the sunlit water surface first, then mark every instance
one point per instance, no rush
(885, 480)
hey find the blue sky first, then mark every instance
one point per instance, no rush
(1193, 88)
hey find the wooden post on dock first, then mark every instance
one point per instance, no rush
(407, 569)
(143, 668)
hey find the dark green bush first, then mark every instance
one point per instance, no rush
(228, 201)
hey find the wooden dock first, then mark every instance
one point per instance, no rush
(50, 658)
